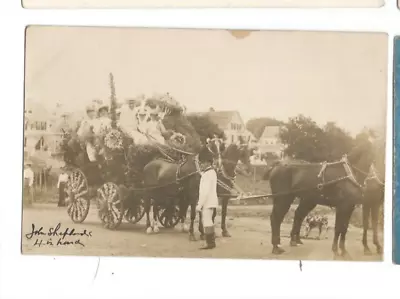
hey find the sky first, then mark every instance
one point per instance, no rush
(328, 76)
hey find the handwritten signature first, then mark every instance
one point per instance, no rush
(56, 236)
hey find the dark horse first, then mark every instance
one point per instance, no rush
(171, 185)
(374, 191)
(338, 184)
(168, 184)
(177, 184)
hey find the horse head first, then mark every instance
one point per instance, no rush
(360, 160)
(216, 146)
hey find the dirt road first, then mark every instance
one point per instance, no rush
(248, 225)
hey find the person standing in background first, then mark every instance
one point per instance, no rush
(28, 182)
(62, 182)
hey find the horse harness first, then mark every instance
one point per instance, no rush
(349, 174)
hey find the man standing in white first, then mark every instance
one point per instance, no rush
(208, 200)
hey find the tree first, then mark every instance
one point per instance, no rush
(257, 125)
(338, 141)
(304, 139)
(205, 127)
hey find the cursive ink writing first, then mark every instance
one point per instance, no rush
(35, 232)
(57, 236)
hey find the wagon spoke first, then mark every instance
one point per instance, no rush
(77, 191)
(111, 212)
(80, 194)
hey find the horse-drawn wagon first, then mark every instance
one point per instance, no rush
(112, 179)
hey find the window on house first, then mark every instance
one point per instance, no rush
(32, 126)
(232, 139)
(25, 142)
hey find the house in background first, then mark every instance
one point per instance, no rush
(40, 137)
(269, 142)
(36, 126)
(232, 124)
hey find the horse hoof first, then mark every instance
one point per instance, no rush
(299, 242)
(379, 250)
(192, 238)
(293, 243)
(277, 250)
(149, 230)
(202, 237)
(367, 252)
(226, 234)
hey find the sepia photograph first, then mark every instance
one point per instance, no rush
(204, 143)
(202, 3)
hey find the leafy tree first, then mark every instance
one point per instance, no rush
(338, 141)
(257, 125)
(204, 126)
(304, 139)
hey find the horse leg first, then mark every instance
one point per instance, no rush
(338, 223)
(320, 231)
(366, 210)
(303, 209)
(156, 229)
(184, 206)
(192, 218)
(147, 207)
(201, 227)
(280, 207)
(224, 210)
(374, 220)
(345, 225)
(214, 215)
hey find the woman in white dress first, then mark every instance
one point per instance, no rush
(103, 122)
(86, 131)
(155, 128)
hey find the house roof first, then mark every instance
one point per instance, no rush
(270, 132)
(220, 118)
(35, 111)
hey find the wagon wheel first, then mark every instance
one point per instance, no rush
(77, 196)
(135, 214)
(169, 217)
(110, 203)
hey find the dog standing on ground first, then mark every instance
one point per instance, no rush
(313, 221)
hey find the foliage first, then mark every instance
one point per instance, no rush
(338, 141)
(204, 126)
(305, 140)
(257, 125)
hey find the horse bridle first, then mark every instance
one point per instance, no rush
(217, 141)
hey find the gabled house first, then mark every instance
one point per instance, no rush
(40, 130)
(231, 123)
(269, 142)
